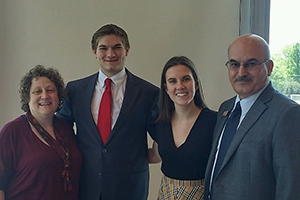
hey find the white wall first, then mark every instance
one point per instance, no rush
(57, 34)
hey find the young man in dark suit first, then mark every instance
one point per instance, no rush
(115, 166)
(261, 161)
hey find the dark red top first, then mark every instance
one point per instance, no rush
(29, 169)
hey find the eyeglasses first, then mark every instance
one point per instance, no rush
(235, 66)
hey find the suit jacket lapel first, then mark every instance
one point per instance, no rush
(251, 117)
(224, 117)
(224, 114)
(130, 96)
(89, 91)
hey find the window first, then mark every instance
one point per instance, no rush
(275, 21)
(285, 47)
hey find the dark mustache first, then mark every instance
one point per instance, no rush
(243, 79)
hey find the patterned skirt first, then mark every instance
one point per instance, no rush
(172, 189)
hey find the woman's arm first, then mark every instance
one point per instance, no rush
(153, 154)
(2, 195)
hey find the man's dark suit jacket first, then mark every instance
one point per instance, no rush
(263, 161)
(119, 169)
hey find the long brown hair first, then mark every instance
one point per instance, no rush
(166, 108)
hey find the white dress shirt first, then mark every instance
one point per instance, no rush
(118, 85)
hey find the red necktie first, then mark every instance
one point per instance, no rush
(104, 115)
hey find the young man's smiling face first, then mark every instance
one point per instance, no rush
(111, 54)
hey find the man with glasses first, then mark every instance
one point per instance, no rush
(258, 155)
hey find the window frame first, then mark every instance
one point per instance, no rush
(255, 17)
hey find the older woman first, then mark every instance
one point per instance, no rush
(38, 155)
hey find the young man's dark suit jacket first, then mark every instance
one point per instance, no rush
(118, 169)
(263, 161)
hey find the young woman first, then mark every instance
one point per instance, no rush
(184, 132)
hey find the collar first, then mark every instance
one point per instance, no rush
(117, 79)
(246, 103)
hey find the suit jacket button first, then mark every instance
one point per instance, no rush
(100, 175)
(104, 151)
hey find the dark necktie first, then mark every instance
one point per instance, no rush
(228, 135)
(104, 115)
